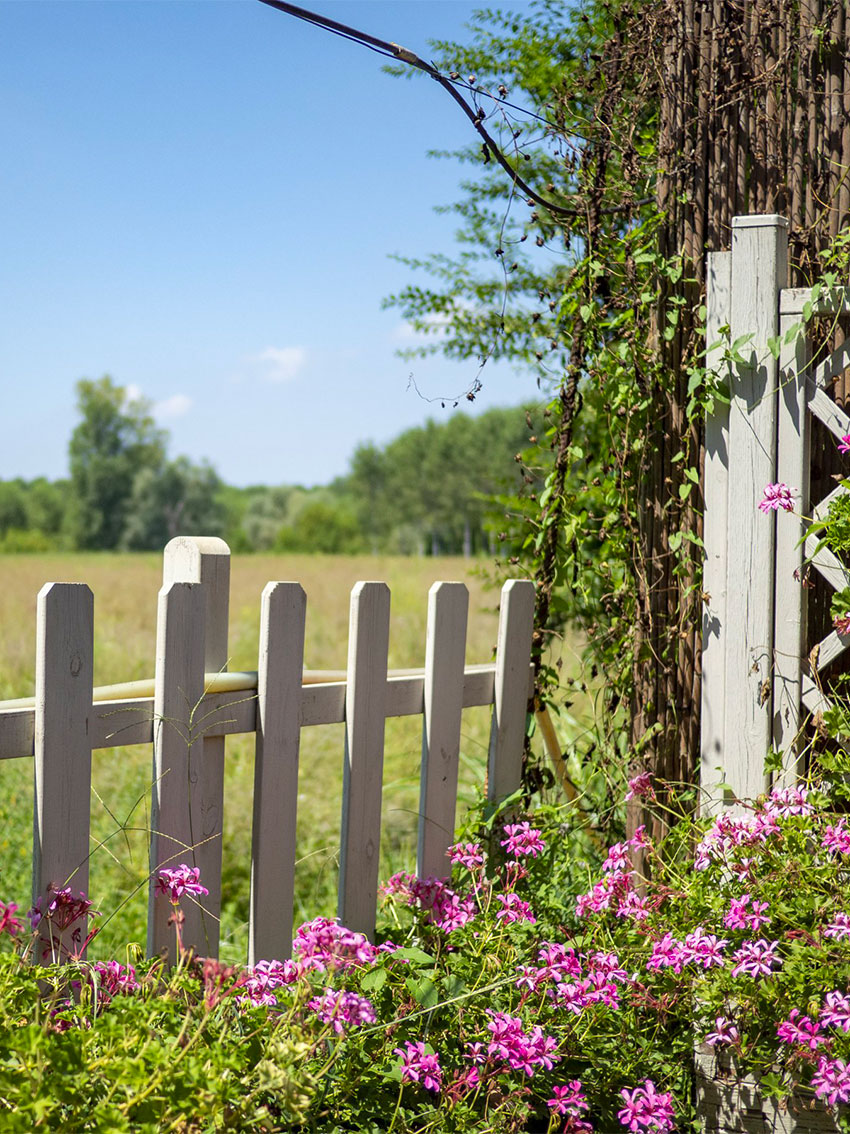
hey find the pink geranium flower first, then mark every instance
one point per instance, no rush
(647, 1109)
(181, 880)
(776, 496)
(419, 1066)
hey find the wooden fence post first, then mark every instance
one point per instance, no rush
(280, 668)
(793, 469)
(759, 270)
(206, 560)
(62, 766)
(715, 521)
(510, 697)
(445, 650)
(176, 812)
(365, 705)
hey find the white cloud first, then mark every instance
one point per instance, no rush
(282, 364)
(175, 406)
(433, 325)
(133, 392)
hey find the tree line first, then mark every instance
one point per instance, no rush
(433, 490)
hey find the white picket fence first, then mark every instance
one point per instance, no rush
(195, 704)
(760, 675)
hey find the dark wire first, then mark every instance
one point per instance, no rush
(395, 51)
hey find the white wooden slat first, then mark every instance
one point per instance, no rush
(832, 647)
(365, 708)
(123, 722)
(281, 661)
(812, 697)
(825, 410)
(759, 269)
(206, 560)
(510, 698)
(789, 634)
(176, 818)
(62, 765)
(832, 366)
(821, 509)
(715, 519)
(448, 607)
(827, 564)
(833, 302)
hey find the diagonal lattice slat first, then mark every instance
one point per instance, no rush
(827, 564)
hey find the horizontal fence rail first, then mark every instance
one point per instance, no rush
(192, 704)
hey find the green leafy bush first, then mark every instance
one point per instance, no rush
(524, 991)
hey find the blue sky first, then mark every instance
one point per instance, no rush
(200, 199)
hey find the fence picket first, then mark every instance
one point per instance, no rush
(365, 708)
(793, 468)
(62, 799)
(276, 771)
(715, 495)
(448, 606)
(176, 819)
(206, 560)
(759, 270)
(510, 696)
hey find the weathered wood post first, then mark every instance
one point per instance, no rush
(718, 279)
(365, 718)
(448, 606)
(276, 771)
(62, 765)
(204, 561)
(757, 274)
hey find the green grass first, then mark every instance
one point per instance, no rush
(125, 590)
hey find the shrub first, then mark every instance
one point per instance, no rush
(502, 997)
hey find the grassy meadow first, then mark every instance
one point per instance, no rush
(125, 598)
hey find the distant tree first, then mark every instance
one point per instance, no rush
(178, 498)
(325, 526)
(13, 509)
(268, 510)
(115, 441)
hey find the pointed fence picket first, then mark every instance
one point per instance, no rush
(194, 704)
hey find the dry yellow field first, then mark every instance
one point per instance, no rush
(125, 599)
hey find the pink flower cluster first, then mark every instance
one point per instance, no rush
(261, 981)
(789, 801)
(776, 496)
(570, 1102)
(801, 1031)
(739, 917)
(724, 1032)
(756, 958)
(836, 839)
(323, 944)
(342, 1009)
(646, 1108)
(8, 922)
(730, 833)
(115, 979)
(832, 1081)
(445, 908)
(835, 1012)
(419, 1066)
(522, 1051)
(469, 855)
(640, 787)
(523, 839)
(699, 948)
(183, 879)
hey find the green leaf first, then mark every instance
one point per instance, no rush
(423, 990)
(374, 980)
